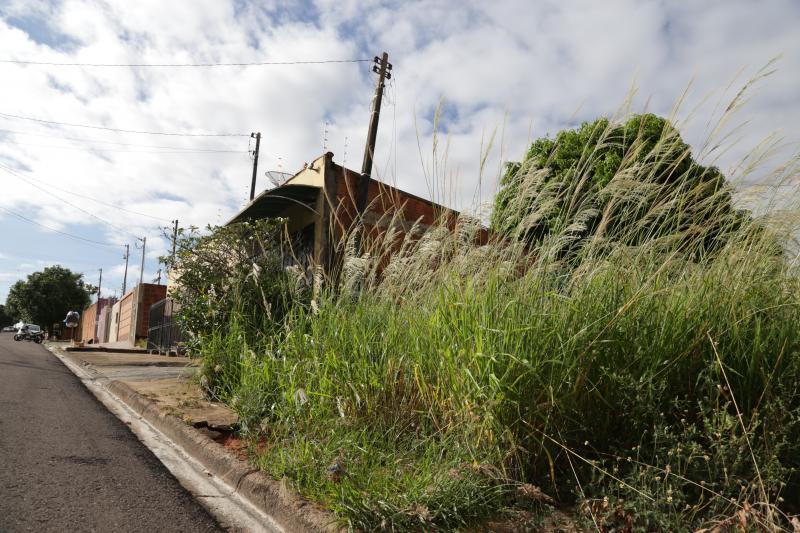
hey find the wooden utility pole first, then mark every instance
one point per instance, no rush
(255, 165)
(125, 277)
(141, 272)
(97, 305)
(174, 239)
(382, 67)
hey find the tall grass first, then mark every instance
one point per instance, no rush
(631, 370)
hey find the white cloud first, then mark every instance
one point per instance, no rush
(525, 69)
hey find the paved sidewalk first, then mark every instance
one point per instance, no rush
(168, 381)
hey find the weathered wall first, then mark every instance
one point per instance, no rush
(113, 328)
(104, 319)
(134, 311)
(92, 324)
(126, 317)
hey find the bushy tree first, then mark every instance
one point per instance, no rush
(47, 296)
(5, 318)
(229, 269)
(615, 183)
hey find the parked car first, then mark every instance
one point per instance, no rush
(9, 328)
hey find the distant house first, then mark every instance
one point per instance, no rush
(93, 321)
(122, 322)
(319, 203)
(133, 315)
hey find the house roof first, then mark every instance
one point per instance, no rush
(272, 203)
(300, 189)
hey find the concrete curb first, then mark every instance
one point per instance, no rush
(287, 508)
(95, 349)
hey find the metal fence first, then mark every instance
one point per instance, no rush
(164, 333)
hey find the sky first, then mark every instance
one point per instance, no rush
(500, 74)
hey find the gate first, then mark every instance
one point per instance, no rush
(164, 333)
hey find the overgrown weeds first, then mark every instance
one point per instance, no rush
(647, 377)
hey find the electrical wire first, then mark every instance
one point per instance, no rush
(180, 65)
(100, 141)
(142, 132)
(29, 182)
(119, 150)
(115, 206)
(78, 237)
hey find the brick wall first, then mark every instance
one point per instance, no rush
(149, 295)
(386, 205)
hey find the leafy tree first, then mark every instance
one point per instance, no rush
(226, 270)
(46, 296)
(5, 318)
(615, 183)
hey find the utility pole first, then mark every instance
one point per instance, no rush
(141, 272)
(97, 305)
(382, 67)
(125, 277)
(158, 277)
(255, 165)
(174, 239)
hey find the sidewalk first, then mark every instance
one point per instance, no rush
(167, 381)
(164, 392)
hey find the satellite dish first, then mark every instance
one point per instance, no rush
(276, 177)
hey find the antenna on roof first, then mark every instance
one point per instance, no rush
(325, 138)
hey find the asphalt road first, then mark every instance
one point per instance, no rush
(67, 464)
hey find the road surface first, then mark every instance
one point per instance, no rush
(67, 464)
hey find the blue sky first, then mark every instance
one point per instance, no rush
(520, 69)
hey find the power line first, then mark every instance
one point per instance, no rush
(118, 150)
(180, 65)
(115, 206)
(142, 132)
(78, 237)
(29, 182)
(100, 141)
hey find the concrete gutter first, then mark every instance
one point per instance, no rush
(104, 349)
(271, 497)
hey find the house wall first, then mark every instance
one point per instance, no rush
(113, 328)
(386, 206)
(148, 295)
(103, 320)
(126, 319)
(92, 325)
(134, 311)
(87, 323)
